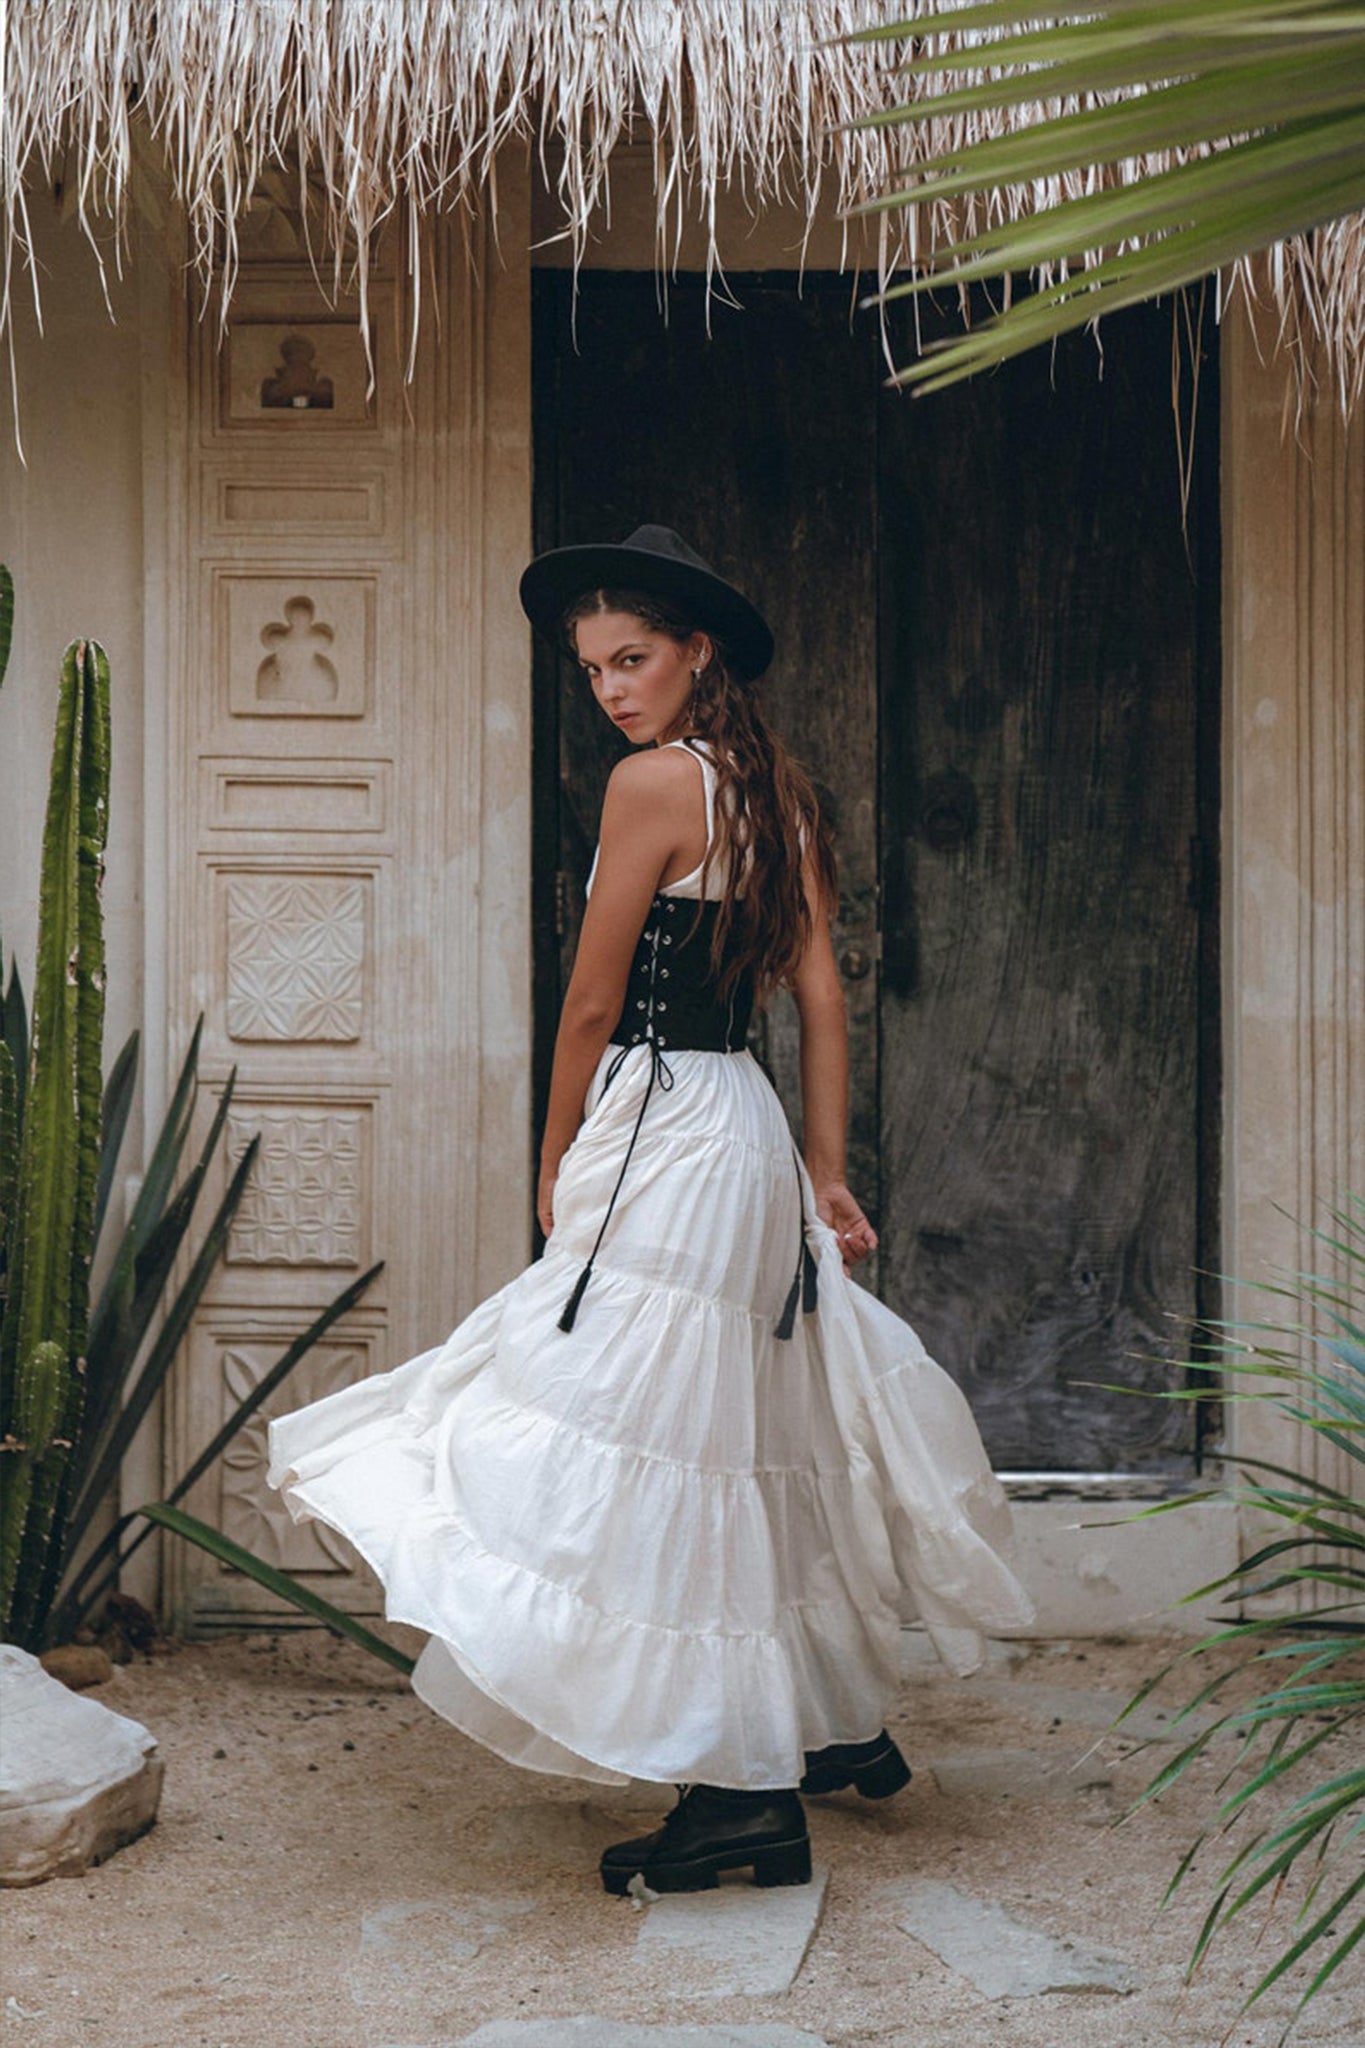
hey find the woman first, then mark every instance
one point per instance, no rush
(662, 1503)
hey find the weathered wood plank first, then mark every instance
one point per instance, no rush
(1040, 624)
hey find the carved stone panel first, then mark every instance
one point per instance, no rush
(346, 834)
(296, 377)
(307, 1200)
(300, 646)
(294, 506)
(245, 795)
(295, 951)
(250, 1512)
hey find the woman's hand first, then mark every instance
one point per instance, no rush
(545, 1198)
(835, 1206)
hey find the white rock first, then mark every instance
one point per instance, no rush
(77, 1781)
(734, 1942)
(997, 1953)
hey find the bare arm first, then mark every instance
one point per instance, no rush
(824, 1083)
(650, 808)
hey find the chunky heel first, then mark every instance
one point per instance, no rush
(788, 1865)
(880, 1779)
(876, 1769)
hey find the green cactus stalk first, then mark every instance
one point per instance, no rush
(6, 617)
(9, 1163)
(49, 1276)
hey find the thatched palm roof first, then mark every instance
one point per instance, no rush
(393, 107)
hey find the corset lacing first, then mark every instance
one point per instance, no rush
(698, 1021)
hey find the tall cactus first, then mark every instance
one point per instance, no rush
(9, 1166)
(43, 1338)
(6, 617)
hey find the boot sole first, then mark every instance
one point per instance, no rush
(878, 1780)
(776, 1863)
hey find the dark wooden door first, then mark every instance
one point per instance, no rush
(995, 657)
(756, 444)
(1044, 670)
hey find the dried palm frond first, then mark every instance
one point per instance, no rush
(392, 108)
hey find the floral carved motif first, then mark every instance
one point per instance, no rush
(303, 1202)
(295, 951)
(252, 1513)
(298, 669)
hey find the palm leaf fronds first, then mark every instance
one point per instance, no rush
(1169, 142)
(1296, 1778)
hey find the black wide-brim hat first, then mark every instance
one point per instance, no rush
(656, 563)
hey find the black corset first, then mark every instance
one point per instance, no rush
(671, 999)
(672, 1006)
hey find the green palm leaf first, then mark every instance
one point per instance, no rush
(1294, 1740)
(230, 1553)
(1260, 102)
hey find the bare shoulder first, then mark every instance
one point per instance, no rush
(654, 776)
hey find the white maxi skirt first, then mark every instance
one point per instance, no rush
(667, 1544)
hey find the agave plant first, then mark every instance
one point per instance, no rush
(76, 1385)
(1256, 106)
(1296, 1787)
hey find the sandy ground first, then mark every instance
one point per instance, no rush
(307, 1789)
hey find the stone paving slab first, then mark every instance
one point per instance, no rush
(584, 2030)
(1000, 1955)
(736, 1941)
(1083, 1708)
(1016, 1774)
(412, 1949)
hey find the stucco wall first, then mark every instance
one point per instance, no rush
(71, 532)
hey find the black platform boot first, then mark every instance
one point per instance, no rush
(710, 1830)
(875, 1768)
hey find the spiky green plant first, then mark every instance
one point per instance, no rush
(1259, 103)
(1295, 1789)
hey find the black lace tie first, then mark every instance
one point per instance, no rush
(660, 1076)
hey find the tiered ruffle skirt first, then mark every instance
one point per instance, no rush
(667, 1544)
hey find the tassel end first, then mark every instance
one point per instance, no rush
(786, 1322)
(567, 1320)
(810, 1281)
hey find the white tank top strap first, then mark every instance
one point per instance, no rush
(690, 884)
(698, 750)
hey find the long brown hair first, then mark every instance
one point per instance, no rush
(767, 812)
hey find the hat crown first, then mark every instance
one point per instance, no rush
(662, 540)
(653, 560)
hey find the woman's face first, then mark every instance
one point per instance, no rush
(642, 678)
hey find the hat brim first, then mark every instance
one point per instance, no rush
(553, 581)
